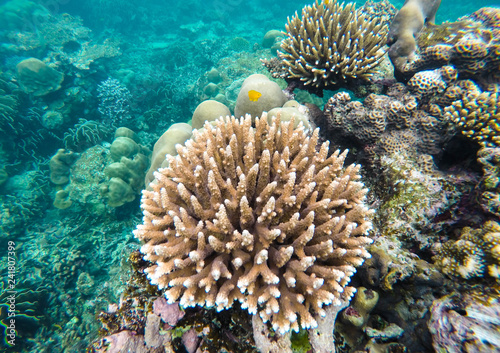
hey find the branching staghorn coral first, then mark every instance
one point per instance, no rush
(260, 215)
(332, 44)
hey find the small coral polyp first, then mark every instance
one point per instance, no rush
(257, 214)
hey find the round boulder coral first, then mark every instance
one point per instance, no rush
(257, 214)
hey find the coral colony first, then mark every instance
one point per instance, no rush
(190, 180)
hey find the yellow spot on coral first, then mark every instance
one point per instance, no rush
(253, 95)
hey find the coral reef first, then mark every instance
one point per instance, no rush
(208, 110)
(36, 77)
(114, 102)
(259, 216)
(60, 165)
(258, 94)
(332, 44)
(125, 176)
(477, 115)
(8, 104)
(466, 322)
(406, 26)
(165, 145)
(475, 253)
(386, 124)
(469, 44)
(85, 134)
(489, 158)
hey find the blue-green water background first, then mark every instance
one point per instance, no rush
(196, 35)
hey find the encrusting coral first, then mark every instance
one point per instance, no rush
(405, 27)
(470, 44)
(332, 44)
(476, 251)
(489, 158)
(257, 214)
(477, 115)
(466, 322)
(384, 124)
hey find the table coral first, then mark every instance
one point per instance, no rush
(259, 215)
(331, 44)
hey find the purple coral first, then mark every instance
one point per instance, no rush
(114, 101)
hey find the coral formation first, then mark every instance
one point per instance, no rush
(467, 322)
(37, 78)
(257, 215)
(475, 253)
(114, 101)
(60, 165)
(165, 145)
(126, 174)
(405, 27)
(489, 158)
(469, 44)
(386, 124)
(332, 44)
(8, 104)
(208, 110)
(85, 134)
(477, 115)
(258, 94)
(383, 11)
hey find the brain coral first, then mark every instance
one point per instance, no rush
(257, 214)
(331, 44)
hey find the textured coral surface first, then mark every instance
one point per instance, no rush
(332, 43)
(257, 214)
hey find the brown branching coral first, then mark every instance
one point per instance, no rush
(476, 251)
(477, 115)
(257, 214)
(332, 43)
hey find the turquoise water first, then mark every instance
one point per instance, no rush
(66, 228)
